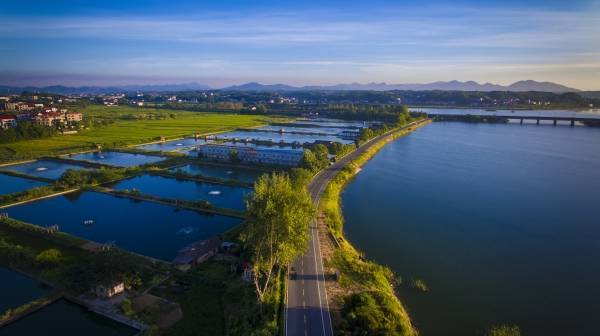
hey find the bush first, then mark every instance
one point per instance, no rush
(505, 330)
(368, 314)
(49, 257)
(127, 307)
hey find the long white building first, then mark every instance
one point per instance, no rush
(270, 156)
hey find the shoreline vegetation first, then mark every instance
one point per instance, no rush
(369, 301)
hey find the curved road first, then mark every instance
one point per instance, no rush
(307, 308)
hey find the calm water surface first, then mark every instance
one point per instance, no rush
(10, 184)
(175, 145)
(117, 158)
(43, 168)
(292, 128)
(66, 318)
(147, 228)
(219, 195)
(18, 289)
(281, 137)
(501, 221)
(222, 172)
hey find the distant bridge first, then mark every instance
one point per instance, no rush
(587, 118)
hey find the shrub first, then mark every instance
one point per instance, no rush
(505, 330)
(48, 257)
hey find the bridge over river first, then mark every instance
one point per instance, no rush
(590, 118)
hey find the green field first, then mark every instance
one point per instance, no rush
(126, 132)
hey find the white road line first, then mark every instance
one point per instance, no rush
(318, 286)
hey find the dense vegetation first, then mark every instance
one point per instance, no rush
(277, 229)
(26, 130)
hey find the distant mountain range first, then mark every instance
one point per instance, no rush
(520, 86)
(60, 89)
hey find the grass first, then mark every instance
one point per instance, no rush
(128, 132)
(215, 302)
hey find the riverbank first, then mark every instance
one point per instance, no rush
(364, 290)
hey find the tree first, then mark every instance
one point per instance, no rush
(315, 159)
(234, 156)
(277, 231)
(309, 161)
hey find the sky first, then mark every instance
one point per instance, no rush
(220, 43)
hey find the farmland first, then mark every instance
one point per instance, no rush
(121, 126)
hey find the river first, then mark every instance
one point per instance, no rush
(500, 221)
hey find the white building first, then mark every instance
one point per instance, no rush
(269, 156)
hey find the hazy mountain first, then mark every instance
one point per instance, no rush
(60, 89)
(528, 85)
(591, 94)
(253, 86)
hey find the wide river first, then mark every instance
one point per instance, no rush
(502, 221)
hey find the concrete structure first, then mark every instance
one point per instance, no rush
(10, 106)
(198, 252)
(7, 121)
(270, 156)
(49, 118)
(107, 291)
(73, 116)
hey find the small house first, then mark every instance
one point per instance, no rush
(110, 289)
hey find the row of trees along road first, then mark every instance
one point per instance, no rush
(280, 213)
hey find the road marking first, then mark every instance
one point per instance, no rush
(318, 285)
(302, 291)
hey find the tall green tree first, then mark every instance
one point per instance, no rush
(278, 226)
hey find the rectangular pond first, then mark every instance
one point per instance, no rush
(18, 289)
(11, 184)
(66, 318)
(117, 158)
(219, 195)
(146, 228)
(253, 145)
(325, 122)
(221, 172)
(175, 145)
(301, 129)
(281, 137)
(43, 168)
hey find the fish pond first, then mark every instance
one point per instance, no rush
(66, 318)
(499, 220)
(146, 228)
(10, 184)
(307, 130)
(277, 137)
(219, 195)
(175, 145)
(43, 168)
(221, 172)
(18, 289)
(118, 159)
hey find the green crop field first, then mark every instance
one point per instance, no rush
(127, 132)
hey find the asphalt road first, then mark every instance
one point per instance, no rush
(307, 308)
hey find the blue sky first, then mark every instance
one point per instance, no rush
(298, 42)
